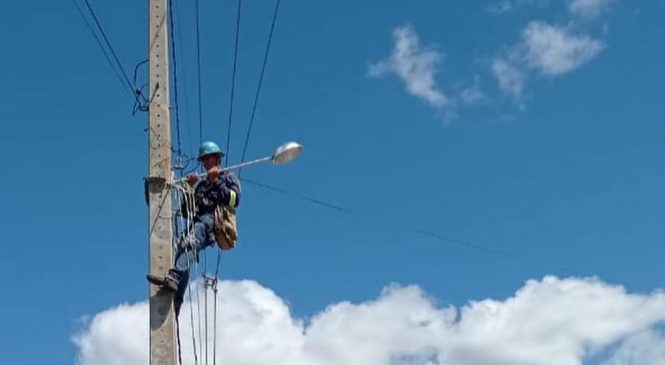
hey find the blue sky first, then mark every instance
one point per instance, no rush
(529, 127)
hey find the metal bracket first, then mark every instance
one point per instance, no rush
(210, 282)
(154, 182)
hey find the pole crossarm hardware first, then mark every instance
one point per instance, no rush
(162, 315)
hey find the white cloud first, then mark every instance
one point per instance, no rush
(115, 337)
(507, 6)
(588, 8)
(501, 7)
(416, 66)
(578, 8)
(647, 347)
(472, 94)
(544, 49)
(554, 51)
(551, 321)
(511, 78)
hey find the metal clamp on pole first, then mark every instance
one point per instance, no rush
(152, 181)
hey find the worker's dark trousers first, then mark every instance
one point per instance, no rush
(201, 236)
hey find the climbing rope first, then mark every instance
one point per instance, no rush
(185, 198)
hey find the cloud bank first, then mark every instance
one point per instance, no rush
(551, 321)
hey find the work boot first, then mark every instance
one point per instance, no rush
(169, 282)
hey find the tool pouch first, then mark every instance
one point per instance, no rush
(225, 228)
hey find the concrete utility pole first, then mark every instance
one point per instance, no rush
(162, 315)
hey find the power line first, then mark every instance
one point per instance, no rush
(175, 77)
(177, 14)
(140, 101)
(104, 50)
(198, 68)
(258, 88)
(233, 83)
(228, 153)
(450, 240)
(108, 43)
(214, 321)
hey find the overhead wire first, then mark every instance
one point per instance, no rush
(260, 83)
(108, 51)
(180, 166)
(214, 320)
(450, 240)
(198, 68)
(184, 88)
(175, 77)
(200, 115)
(108, 43)
(101, 45)
(204, 275)
(233, 83)
(229, 132)
(198, 307)
(228, 153)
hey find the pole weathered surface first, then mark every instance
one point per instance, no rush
(162, 328)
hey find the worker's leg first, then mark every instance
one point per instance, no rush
(190, 245)
(188, 253)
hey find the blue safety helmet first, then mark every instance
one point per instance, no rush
(210, 148)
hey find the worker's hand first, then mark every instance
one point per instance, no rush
(213, 173)
(192, 179)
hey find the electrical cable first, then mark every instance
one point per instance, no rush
(260, 83)
(233, 83)
(198, 68)
(175, 77)
(107, 56)
(450, 240)
(108, 43)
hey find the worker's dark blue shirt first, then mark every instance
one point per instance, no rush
(209, 195)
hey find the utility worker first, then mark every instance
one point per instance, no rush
(217, 189)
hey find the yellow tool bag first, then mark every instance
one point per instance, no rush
(225, 228)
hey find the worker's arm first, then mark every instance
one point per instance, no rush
(228, 189)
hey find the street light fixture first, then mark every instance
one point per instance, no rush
(283, 154)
